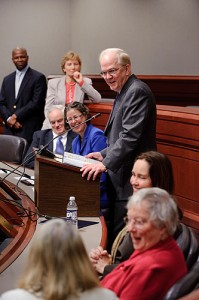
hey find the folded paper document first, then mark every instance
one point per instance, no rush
(77, 160)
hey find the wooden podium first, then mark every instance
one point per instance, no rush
(55, 182)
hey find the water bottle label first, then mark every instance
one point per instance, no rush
(71, 214)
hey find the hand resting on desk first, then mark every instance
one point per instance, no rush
(93, 169)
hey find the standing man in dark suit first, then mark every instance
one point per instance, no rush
(22, 98)
(131, 129)
(48, 136)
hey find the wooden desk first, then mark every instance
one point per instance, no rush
(17, 221)
(92, 236)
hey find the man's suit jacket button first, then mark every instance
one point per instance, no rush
(14, 106)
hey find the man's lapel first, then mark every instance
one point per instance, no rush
(119, 101)
(12, 86)
(113, 113)
(49, 137)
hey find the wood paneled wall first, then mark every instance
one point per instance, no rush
(168, 90)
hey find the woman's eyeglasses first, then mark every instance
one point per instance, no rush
(137, 222)
(75, 118)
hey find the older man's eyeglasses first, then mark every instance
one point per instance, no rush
(75, 118)
(111, 72)
(137, 222)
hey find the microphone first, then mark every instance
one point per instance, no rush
(95, 116)
(46, 152)
(34, 153)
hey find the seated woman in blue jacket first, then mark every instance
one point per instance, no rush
(89, 139)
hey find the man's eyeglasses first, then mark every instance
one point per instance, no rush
(75, 118)
(138, 223)
(111, 72)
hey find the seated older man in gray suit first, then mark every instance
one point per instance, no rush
(43, 137)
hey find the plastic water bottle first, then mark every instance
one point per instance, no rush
(71, 211)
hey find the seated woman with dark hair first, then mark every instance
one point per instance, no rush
(151, 169)
(89, 139)
(157, 262)
(58, 268)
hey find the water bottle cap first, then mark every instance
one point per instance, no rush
(72, 198)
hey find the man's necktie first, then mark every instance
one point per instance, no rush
(59, 146)
(112, 112)
(116, 98)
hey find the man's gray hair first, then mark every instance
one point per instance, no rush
(56, 107)
(123, 57)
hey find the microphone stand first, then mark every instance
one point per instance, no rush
(34, 153)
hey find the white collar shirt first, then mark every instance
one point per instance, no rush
(18, 79)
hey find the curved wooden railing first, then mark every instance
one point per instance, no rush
(178, 137)
(16, 226)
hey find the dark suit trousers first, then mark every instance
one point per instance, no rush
(116, 213)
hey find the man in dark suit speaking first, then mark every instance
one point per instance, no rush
(131, 129)
(45, 137)
(22, 98)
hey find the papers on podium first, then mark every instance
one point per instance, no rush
(77, 160)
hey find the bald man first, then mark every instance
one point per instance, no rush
(22, 98)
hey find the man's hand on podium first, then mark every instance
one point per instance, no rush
(93, 169)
